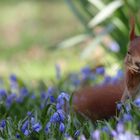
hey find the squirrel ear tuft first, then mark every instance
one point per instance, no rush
(132, 27)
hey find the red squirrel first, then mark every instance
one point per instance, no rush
(100, 102)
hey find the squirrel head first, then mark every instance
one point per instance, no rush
(132, 59)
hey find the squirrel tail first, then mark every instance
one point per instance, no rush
(98, 102)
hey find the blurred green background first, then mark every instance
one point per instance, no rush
(35, 35)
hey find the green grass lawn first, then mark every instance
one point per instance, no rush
(29, 30)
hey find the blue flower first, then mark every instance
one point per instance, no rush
(32, 120)
(127, 117)
(10, 99)
(106, 129)
(13, 83)
(74, 78)
(52, 99)
(128, 107)
(3, 124)
(120, 127)
(82, 137)
(13, 78)
(33, 96)
(63, 95)
(107, 80)
(77, 133)
(43, 95)
(24, 91)
(61, 100)
(25, 126)
(113, 133)
(60, 104)
(100, 70)
(119, 106)
(126, 136)
(19, 99)
(55, 118)
(26, 132)
(96, 135)
(29, 113)
(17, 135)
(50, 90)
(120, 74)
(137, 102)
(61, 114)
(37, 127)
(3, 93)
(86, 71)
(62, 127)
(47, 128)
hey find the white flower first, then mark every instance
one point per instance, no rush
(126, 136)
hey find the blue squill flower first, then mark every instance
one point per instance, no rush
(52, 99)
(29, 113)
(3, 93)
(86, 71)
(61, 115)
(55, 118)
(100, 70)
(74, 78)
(2, 124)
(51, 90)
(119, 105)
(107, 80)
(61, 127)
(63, 95)
(82, 137)
(13, 78)
(17, 135)
(137, 102)
(127, 117)
(37, 127)
(126, 136)
(26, 132)
(77, 133)
(24, 91)
(120, 127)
(61, 100)
(10, 99)
(47, 128)
(106, 129)
(25, 126)
(120, 74)
(114, 133)
(96, 135)
(13, 83)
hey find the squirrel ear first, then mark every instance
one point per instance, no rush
(132, 31)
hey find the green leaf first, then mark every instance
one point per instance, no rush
(106, 12)
(97, 3)
(96, 41)
(73, 41)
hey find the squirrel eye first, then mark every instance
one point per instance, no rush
(128, 53)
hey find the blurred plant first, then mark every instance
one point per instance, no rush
(112, 18)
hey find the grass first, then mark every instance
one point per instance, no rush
(45, 112)
(28, 38)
